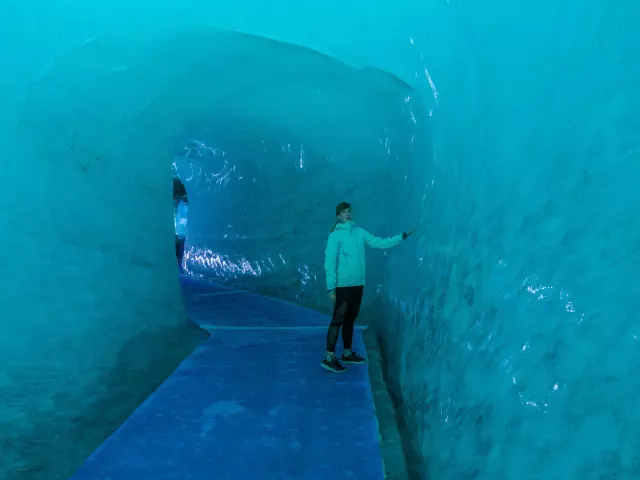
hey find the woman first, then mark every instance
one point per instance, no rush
(345, 267)
(180, 210)
(180, 222)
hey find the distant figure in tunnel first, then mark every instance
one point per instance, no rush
(181, 229)
(181, 208)
(345, 268)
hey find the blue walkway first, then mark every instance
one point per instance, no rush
(250, 403)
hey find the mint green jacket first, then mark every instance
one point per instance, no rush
(344, 259)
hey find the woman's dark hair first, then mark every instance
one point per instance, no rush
(342, 206)
(339, 208)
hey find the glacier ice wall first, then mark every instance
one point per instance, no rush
(527, 306)
(519, 340)
(510, 321)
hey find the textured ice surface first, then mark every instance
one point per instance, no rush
(510, 322)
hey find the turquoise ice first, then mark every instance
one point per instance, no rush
(506, 133)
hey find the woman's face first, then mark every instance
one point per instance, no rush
(345, 215)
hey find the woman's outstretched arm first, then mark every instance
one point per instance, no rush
(378, 242)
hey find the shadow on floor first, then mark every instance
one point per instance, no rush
(56, 448)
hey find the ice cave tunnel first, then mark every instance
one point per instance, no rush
(500, 337)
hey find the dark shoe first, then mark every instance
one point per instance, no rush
(353, 358)
(333, 365)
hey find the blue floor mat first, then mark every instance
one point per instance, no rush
(251, 403)
(222, 306)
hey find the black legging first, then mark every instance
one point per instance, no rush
(345, 312)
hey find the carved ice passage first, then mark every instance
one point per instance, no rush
(507, 134)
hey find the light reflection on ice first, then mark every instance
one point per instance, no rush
(221, 265)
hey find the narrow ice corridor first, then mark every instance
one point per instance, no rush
(502, 338)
